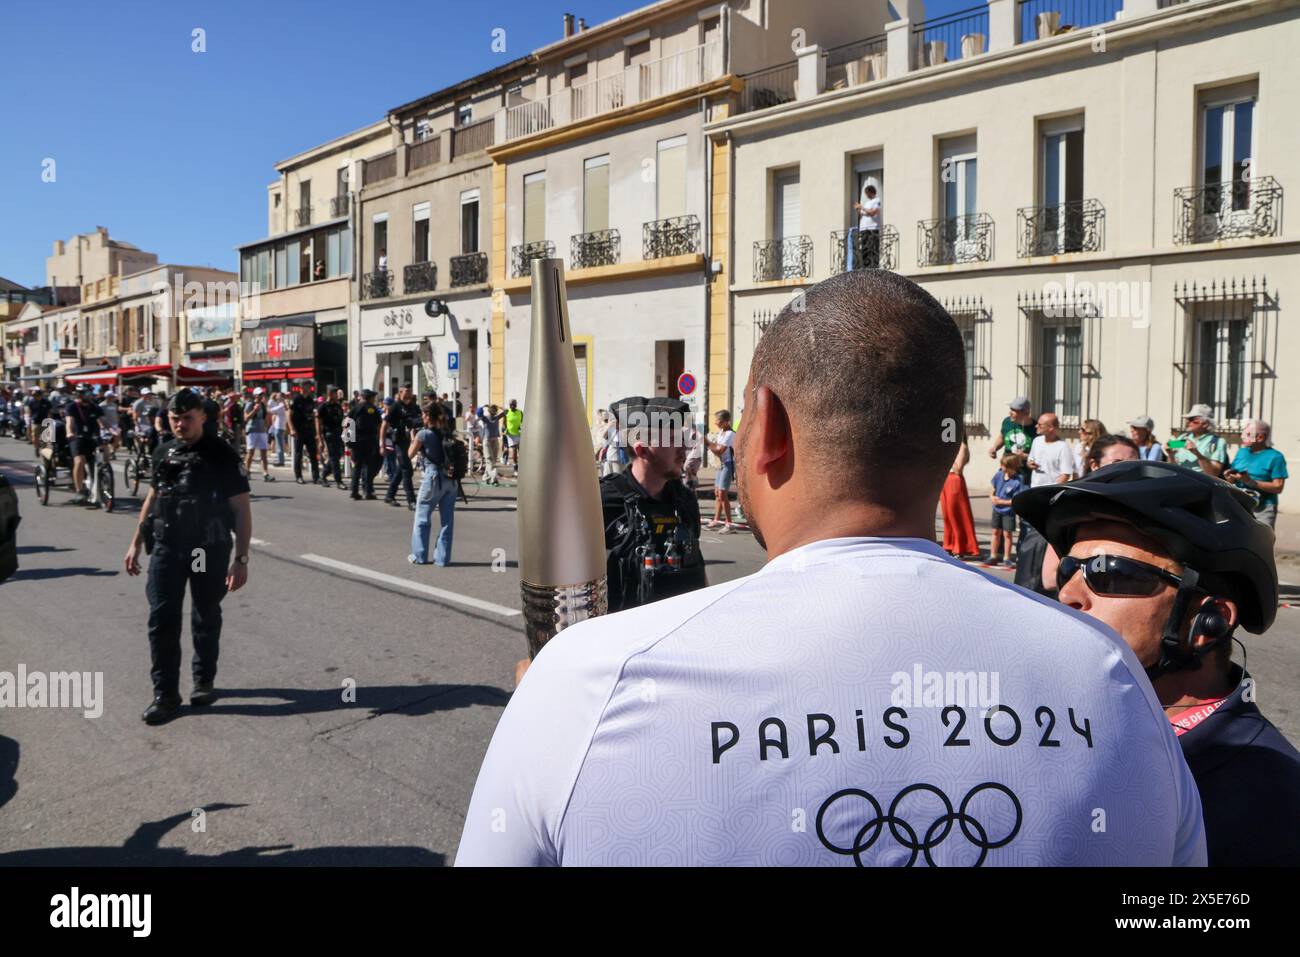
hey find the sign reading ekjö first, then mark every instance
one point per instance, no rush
(399, 323)
(279, 347)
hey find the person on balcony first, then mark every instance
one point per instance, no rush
(867, 251)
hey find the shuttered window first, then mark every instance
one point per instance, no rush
(534, 207)
(671, 178)
(595, 194)
(785, 204)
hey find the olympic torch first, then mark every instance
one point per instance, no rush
(561, 530)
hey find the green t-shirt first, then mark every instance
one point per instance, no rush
(1016, 437)
(1211, 446)
(514, 421)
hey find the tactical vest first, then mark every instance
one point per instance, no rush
(638, 568)
(189, 510)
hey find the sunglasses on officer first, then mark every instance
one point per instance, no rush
(1115, 576)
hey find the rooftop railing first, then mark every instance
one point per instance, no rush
(956, 36)
(1040, 19)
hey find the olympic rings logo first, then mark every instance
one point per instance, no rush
(906, 835)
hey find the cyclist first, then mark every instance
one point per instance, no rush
(1175, 561)
(82, 418)
(39, 408)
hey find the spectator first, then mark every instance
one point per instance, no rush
(514, 423)
(1050, 457)
(1016, 434)
(491, 419)
(1258, 467)
(694, 459)
(1199, 448)
(723, 449)
(1142, 431)
(868, 231)
(259, 423)
(279, 434)
(1089, 432)
(383, 259)
(437, 490)
(1109, 449)
(1006, 484)
(959, 539)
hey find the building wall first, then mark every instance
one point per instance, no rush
(99, 257)
(320, 167)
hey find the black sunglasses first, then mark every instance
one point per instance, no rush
(1115, 576)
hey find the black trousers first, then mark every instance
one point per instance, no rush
(171, 569)
(333, 463)
(405, 471)
(869, 249)
(305, 443)
(365, 463)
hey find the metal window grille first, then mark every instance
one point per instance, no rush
(975, 322)
(1059, 344)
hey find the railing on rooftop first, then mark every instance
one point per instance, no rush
(472, 138)
(634, 84)
(956, 36)
(1040, 19)
(853, 64)
(379, 169)
(770, 87)
(425, 153)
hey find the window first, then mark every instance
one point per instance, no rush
(423, 130)
(341, 182)
(577, 73)
(420, 246)
(281, 268)
(469, 221)
(1059, 340)
(464, 114)
(380, 244)
(1061, 185)
(304, 195)
(1223, 349)
(595, 194)
(534, 207)
(670, 178)
(1227, 148)
(275, 200)
(636, 53)
(345, 252)
(293, 263)
(332, 253)
(957, 179)
(785, 204)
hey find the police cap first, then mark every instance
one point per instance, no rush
(640, 412)
(183, 401)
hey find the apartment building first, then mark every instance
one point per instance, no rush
(603, 162)
(1093, 189)
(27, 339)
(297, 281)
(423, 236)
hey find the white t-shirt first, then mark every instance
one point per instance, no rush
(727, 438)
(638, 738)
(279, 415)
(1051, 461)
(871, 218)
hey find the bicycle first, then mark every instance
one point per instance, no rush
(139, 464)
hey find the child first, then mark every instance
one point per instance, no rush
(1006, 485)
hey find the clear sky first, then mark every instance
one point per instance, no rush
(172, 149)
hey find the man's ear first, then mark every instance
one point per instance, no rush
(1214, 618)
(770, 450)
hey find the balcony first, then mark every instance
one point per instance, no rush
(675, 236)
(1078, 227)
(856, 63)
(602, 247)
(634, 84)
(302, 216)
(957, 36)
(378, 169)
(522, 255)
(422, 154)
(419, 277)
(867, 251)
(339, 206)
(770, 87)
(1243, 209)
(1040, 19)
(789, 258)
(960, 239)
(377, 285)
(469, 269)
(472, 138)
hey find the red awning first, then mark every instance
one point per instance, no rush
(184, 375)
(297, 372)
(107, 377)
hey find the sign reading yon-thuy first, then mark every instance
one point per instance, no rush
(279, 347)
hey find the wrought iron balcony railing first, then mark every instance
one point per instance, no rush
(522, 255)
(469, 269)
(1243, 209)
(339, 206)
(959, 239)
(1078, 227)
(864, 249)
(377, 285)
(675, 236)
(420, 277)
(789, 258)
(602, 247)
(302, 216)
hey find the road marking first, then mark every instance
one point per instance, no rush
(257, 541)
(441, 593)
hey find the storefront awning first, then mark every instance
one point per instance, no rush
(295, 372)
(184, 375)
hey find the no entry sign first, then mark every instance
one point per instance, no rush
(685, 384)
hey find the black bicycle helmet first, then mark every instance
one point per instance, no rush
(1202, 521)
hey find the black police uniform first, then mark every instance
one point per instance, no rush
(365, 447)
(303, 416)
(193, 486)
(212, 417)
(404, 419)
(329, 419)
(86, 418)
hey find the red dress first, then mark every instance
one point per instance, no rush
(958, 522)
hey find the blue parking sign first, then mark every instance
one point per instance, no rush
(453, 361)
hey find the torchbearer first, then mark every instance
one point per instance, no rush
(561, 530)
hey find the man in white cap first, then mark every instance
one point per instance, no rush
(1141, 430)
(258, 419)
(1199, 448)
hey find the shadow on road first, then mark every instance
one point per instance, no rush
(37, 574)
(409, 700)
(141, 849)
(33, 549)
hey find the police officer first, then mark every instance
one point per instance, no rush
(329, 422)
(199, 500)
(82, 421)
(652, 521)
(401, 424)
(302, 427)
(365, 444)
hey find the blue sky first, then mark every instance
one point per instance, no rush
(172, 149)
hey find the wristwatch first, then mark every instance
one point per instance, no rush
(242, 559)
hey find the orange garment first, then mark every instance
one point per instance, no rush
(958, 522)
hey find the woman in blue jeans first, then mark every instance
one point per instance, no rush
(435, 491)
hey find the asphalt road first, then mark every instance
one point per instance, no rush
(289, 765)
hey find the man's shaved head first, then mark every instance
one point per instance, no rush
(871, 372)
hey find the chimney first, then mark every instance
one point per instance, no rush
(582, 24)
(568, 25)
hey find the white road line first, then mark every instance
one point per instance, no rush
(257, 541)
(441, 593)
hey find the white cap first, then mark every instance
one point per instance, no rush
(146, 391)
(259, 391)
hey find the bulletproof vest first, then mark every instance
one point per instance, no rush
(652, 547)
(189, 510)
(331, 419)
